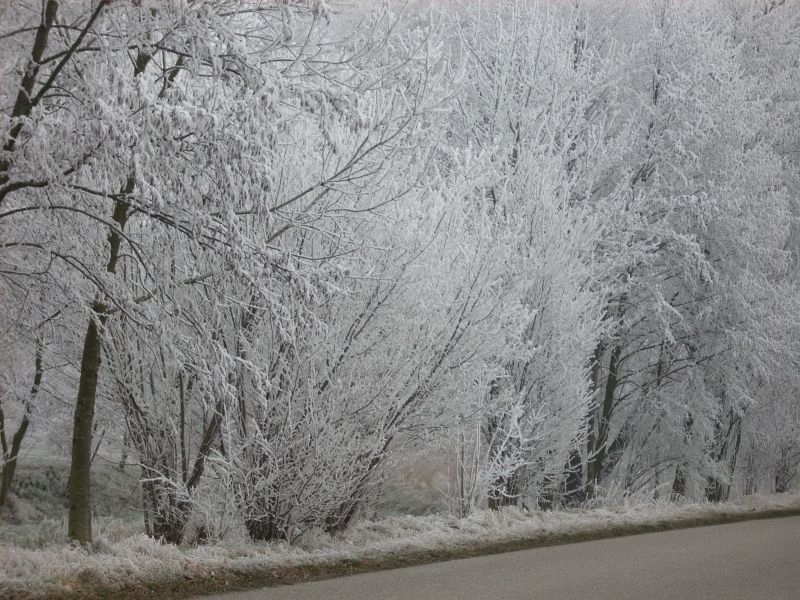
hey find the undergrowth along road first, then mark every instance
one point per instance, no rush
(185, 573)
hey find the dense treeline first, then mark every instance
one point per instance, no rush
(267, 247)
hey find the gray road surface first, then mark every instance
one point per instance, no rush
(756, 560)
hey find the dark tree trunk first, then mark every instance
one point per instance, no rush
(22, 108)
(601, 426)
(123, 458)
(781, 482)
(729, 444)
(573, 482)
(167, 513)
(341, 518)
(80, 513)
(10, 462)
(786, 470)
(679, 483)
(715, 490)
(265, 526)
(264, 529)
(506, 492)
(10, 454)
(22, 104)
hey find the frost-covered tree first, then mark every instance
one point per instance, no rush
(692, 308)
(176, 147)
(525, 106)
(273, 245)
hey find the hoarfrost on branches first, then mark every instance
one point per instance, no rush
(270, 249)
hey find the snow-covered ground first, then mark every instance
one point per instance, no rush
(124, 557)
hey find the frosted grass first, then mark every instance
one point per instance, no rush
(123, 558)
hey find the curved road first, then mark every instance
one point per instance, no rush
(754, 560)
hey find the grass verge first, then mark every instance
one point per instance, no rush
(228, 579)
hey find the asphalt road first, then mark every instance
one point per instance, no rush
(755, 560)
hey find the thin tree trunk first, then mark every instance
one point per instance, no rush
(593, 421)
(22, 108)
(679, 484)
(718, 490)
(573, 482)
(597, 451)
(461, 475)
(98, 444)
(506, 491)
(10, 457)
(22, 104)
(123, 458)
